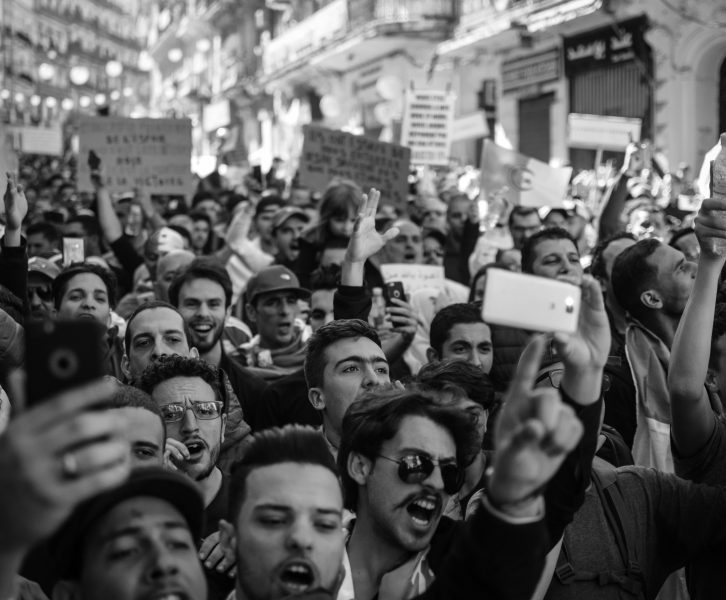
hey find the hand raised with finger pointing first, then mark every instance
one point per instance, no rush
(366, 241)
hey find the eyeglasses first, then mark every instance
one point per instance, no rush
(45, 292)
(175, 411)
(416, 468)
(555, 377)
(318, 314)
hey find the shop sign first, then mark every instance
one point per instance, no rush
(620, 43)
(530, 70)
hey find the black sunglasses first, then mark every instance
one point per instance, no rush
(416, 468)
(45, 292)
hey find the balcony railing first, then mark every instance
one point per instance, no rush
(400, 11)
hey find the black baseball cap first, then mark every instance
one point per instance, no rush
(66, 546)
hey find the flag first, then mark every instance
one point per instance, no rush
(703, 183)
(522, 180)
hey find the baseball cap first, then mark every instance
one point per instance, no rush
(268, 203)
(66, 546)
(288, 212)
(274, 279)
(44, 267)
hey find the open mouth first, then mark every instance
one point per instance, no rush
(202, 328)
(85, 316)
(422, 511)
(297, 577)
(196, 448)
(165, 595)
(410, 256)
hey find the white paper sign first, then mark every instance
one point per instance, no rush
(151, 154)
(428, 125)
(414, 277)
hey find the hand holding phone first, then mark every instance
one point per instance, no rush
(530, 302)
(394, 290)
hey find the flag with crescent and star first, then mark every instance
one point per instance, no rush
(522, 180)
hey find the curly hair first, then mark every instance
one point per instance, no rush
(168, 367)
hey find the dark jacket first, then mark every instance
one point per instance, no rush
(14, 271)
(285, 402)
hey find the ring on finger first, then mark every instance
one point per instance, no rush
(69, 465)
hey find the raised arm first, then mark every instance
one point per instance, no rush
(107, 218)
(692, 419)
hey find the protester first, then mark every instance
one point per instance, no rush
(41, 274)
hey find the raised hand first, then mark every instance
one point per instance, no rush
(710, 227)
(534, 433)
(366, 241)
(16, 204)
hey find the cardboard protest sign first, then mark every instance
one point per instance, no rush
(327, 154)
(153, 155)
(47, 141)
(522, 180)
(428, 125)
(414, 277)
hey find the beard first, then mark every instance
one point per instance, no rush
(205, 343)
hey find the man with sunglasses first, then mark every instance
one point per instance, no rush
(41, 274)
(194, 407)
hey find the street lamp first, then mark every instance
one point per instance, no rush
(114, 68)
(80, 75)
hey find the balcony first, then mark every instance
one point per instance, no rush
(486, 19)
(338, 36)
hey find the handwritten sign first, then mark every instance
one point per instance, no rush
(327, 154)
(151, 154)
(414, 277)
(428, 122)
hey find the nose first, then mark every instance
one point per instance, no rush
(300, 535)
(162, 563)
(474, 358)
(203, 309)
(160, 349)
(435, 481)
(370, 378)
(189, 422)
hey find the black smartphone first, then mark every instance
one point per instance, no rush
(94, 161)
(61, 355)
(394, 289)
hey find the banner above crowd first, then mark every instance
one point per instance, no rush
(327, 154)
(521, 179)
(153, 155)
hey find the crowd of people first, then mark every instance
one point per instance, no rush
(261, 427)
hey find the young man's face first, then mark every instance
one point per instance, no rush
(558, 259)
(523, 227)
(470, 342)
(433, 251)
(202, 437)
(142, 548)
(40, 296)
(275, 314)
(200, 234)
(167, 269)
(321, 308)
(286, 238)
(202, 303)
(353, 367)
(154, 333)
(39, 244)
(263, 223)
(145, 433)
(288, 536)
(674, 279)
(457, 215)
(406, 247)
(407, 514)
(85, 297)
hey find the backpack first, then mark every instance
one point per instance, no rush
(630, 579)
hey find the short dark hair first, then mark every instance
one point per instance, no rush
(597, 266)
(522, 211)
(200, 215)
(89, 223)
(481, 273)
(202, 268)
(60, 283)
(182, 231)
(376, 417)
(445, 320)
(632, 275)
(529, 250)
(168, 367)
(127, 396)
(47, 230)
(470, 379)
(149, 306)
(293, 443)
(325, 278)
(557, 211)
(328, 334)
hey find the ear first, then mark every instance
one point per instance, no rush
(432, 355)
(228, 541)
(65, 590)
(125, 367)
(193, 352)
(359, 467)
(317, 398)
(251, 312)
(651, 299)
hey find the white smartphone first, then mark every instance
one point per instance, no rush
(530, 302)
(73, 251)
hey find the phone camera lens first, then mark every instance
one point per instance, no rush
(63, 363)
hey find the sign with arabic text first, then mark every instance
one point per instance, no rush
(618, 43)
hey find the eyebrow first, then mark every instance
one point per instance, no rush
(149, 334)
(79, 289)
(414, 450)
(136, 530)
(361, 359)
(145, 444)
(285, 508)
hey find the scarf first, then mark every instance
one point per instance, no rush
(273, 363)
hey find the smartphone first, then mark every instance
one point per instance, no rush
(73, 251)
(61, 355)
(394, 289)
(530, 302)
(94, 161)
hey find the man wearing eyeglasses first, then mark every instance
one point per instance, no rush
(193, 405)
